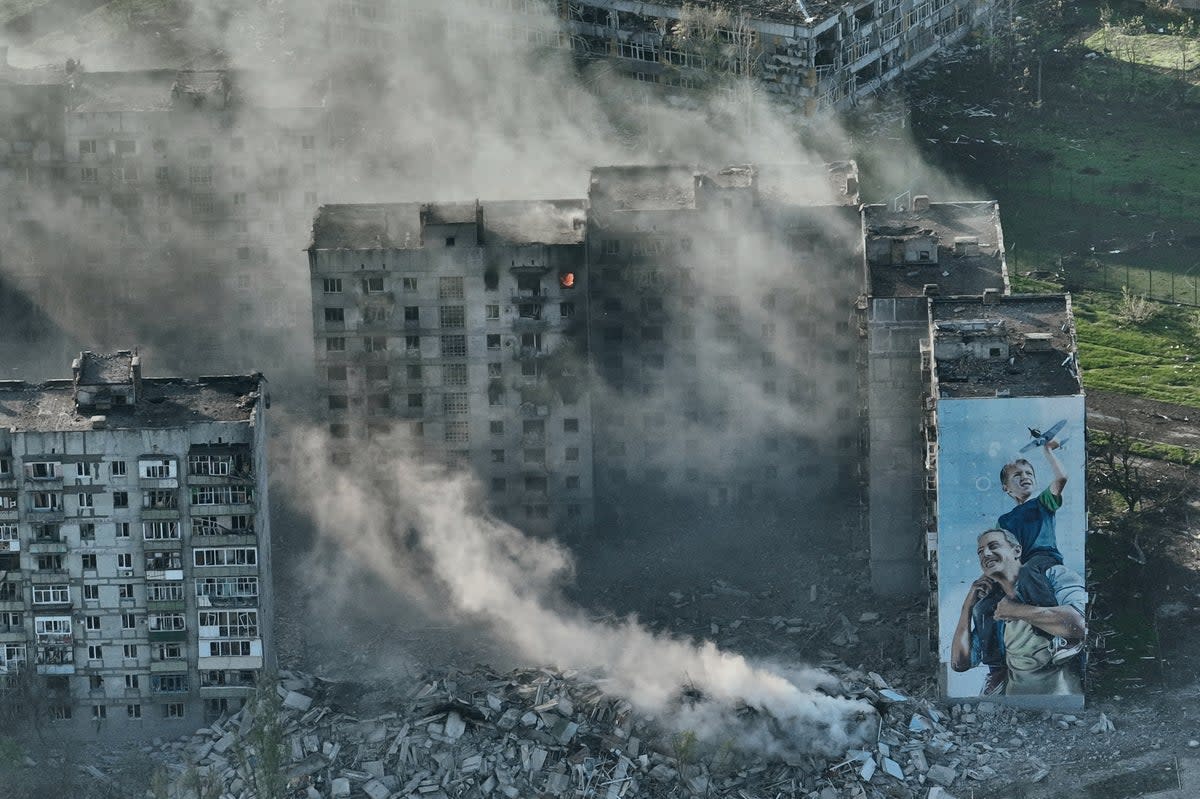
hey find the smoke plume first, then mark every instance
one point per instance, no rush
(418, 527)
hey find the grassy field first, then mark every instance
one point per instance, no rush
(1158, 358)
(1096, 164)
(1162, 50)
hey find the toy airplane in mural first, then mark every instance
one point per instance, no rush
(1040, 439)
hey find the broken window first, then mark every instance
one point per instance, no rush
(566, 310)
(570, 425)
(336, 373)
(529, 310)
(160, 530)
(497, 456)
(572, 482)
(377, 371)
(535, 483)
(372, 285)
(413, 371)
(536, 455)
(412, 313)
(338, 402)
(375, 343)
(408, 283)
(495, 369)
(87, 146)
(378, 403)
(496, 428)
(225, 556)
(376, 315)
(529, 285)
(335, 344)
(412, 345)
(493, 341)
(335, 315)
(416, 400)
(46, 501)
(491, 280)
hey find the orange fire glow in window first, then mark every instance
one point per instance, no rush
(567, 280)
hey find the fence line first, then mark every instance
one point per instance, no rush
(1095, 275)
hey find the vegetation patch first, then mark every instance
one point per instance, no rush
(1166, 50)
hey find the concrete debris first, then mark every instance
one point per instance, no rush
(550, 733)
(1103, 726)
(941, 775)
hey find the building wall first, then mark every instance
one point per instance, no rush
(131, 575)
(463, 365)
(896, 327)
(721, 394)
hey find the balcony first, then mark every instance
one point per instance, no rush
(164, 574)
(46, 515)
(162, 605)
(48, 546)
(159, 514)
(167, 636)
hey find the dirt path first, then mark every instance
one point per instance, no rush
(1146, 419)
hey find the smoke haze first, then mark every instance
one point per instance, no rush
(410, 523)
(447, 111)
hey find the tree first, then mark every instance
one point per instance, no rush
(1116, 468)
(260, 754)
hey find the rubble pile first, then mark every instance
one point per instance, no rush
(546, 733)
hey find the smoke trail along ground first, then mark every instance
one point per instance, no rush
(491, 570)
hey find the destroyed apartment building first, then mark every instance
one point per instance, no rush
(555, 347)
(811, 56)
(187, 167)
(718, 345)
(135, 590)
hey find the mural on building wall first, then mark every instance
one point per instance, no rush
(1011, 525)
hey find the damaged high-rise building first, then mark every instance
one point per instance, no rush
(681, 341)
(135, 579)
(811, 56)
(579, 356)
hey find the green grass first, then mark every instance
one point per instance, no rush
(1170, 453)
(1160, 50)
(1156, 358)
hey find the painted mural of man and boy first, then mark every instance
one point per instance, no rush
(1023, 617)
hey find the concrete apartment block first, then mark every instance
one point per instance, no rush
(135, 562)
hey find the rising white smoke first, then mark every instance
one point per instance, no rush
(419, 529)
